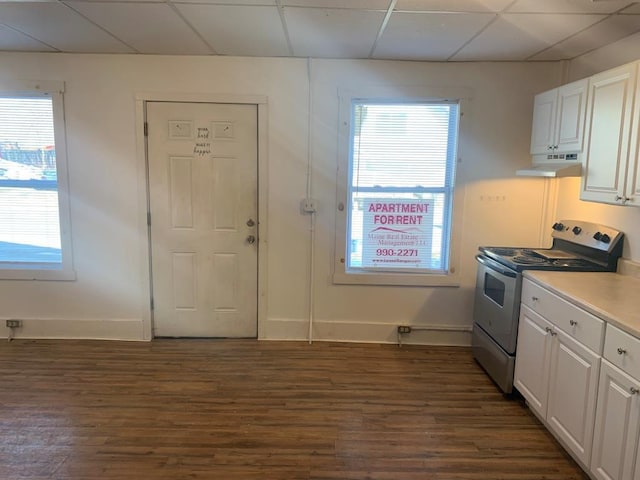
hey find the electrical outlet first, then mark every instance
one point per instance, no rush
(404, 329)
(14, 323)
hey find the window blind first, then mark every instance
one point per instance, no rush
(29, 212)
(402, 160)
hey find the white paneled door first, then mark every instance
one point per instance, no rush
(203, 202)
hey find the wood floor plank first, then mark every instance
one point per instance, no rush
(227, 409)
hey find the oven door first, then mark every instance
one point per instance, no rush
(497, 302)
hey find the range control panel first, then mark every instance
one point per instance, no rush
(588, 234)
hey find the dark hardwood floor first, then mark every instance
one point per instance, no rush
(227, 409)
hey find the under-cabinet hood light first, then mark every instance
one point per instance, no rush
(551, 170)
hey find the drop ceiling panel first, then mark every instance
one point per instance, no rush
(10, 40)
(95, 1)
(351, 4)
(148, 28)
(60, 27)
(452, 6)
(268, 3)
(238, 30)
(433, 36)
(332, 33)
(567, 6)
(518, 36)
(608, 31)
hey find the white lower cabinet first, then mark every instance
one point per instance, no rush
(573, 387)
(616, 455)
(581, 376)
(558, 376)
(533, 359)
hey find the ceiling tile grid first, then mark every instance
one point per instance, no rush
(318, 32)
(430, 37)
(424, 30)
(255, 31)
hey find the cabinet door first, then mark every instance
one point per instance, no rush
(544, 122)
(572, 103)
(632, 190)
(573, 387)
(615, 443)
(533, 355)
(608, 126)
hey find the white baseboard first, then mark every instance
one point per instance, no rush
(362, 332)
(50, 328)
(274, 329)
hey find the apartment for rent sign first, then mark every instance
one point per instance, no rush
(397, 233)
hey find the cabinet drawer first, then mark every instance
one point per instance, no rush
(571, 319)
(623, 351)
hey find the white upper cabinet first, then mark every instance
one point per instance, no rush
(610, 173)
(558, 119)
(544, 119)
(632, 190)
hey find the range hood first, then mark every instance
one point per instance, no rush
(551, 166)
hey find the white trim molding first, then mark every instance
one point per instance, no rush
(129, 329)
(365, 332)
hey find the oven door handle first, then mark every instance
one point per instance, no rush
(496, 267)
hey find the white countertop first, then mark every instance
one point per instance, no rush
(613, 297)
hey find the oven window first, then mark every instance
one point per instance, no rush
(494, 289)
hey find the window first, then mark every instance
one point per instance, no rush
(34, 217)
(399, 191)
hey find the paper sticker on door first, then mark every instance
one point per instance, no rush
(223, 129)
(180, 129)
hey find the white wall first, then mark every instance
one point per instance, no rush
(109, 299)
(626, 219)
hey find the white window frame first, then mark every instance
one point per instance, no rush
(409, 94)
(33, 270)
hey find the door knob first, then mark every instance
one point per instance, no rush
(250, 223)
(251, 239)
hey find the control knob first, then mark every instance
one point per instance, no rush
(558, 227)
(605, 238)
(597, 236)
(576, 230)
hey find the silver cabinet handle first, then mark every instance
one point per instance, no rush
(535, 299)
(573, 323)
(550, 331)
(621, 351)
(634, 391)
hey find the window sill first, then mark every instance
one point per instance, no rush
(37, 274)
(397, 279)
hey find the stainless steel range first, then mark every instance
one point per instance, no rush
(577, 246)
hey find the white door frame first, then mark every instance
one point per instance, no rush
(143, 194)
